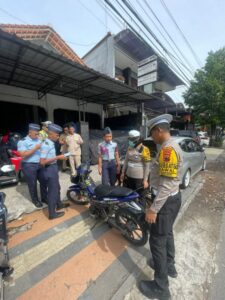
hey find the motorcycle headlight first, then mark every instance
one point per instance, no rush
(7, 168)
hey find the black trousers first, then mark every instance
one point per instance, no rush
(162, 240)
(50, 175)
(32, 174)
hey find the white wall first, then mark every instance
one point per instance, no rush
(49, 102)
(102, 58)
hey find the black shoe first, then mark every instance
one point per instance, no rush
(44, 201)
(62, 205)
(6, 271)
(57, 215)
(151, 291)
(172, 272)
(38, 204)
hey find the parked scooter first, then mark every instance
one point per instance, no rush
(5, 269)
(16, 160)
(118, 206)
(7, 169)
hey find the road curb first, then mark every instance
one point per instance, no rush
(127, 285)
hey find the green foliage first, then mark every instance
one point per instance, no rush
(206, 95)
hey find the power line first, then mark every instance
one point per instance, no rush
(153, 35)
(141, 38)
(190, 67)
(182, 34)
(91, 12)
(113, 16)
(12, 16)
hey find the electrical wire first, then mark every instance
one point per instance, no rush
(12, 16)
(114, 17)
(184, 78)
(140, 19)
(197, 59)
(176, 50)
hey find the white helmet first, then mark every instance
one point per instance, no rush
(134, 136)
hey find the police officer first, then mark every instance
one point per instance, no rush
(43, 134)
(165, 181)
(50, 171)
(29, 149)
(136, 165)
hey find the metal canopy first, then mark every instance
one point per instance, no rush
(26, 65)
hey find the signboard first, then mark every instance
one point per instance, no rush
(147, 60)
(147, 70)
(148, 78)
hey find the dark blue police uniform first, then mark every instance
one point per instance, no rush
(50, 174)
(31, 167)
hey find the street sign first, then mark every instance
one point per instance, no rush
(147, 70)
(147, 60)
(148, 78)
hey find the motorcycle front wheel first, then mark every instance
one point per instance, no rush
(77, 198)
(132, 228)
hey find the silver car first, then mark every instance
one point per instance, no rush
(194, 158)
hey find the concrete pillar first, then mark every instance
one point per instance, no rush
(83, 129)
(35, 114)
(103, 119)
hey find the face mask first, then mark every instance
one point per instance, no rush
(131, 144)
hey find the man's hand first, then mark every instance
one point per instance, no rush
(61, 157)
(145, 184)
(100, 170)
(122, 177)
(38, 146)
(150, 216)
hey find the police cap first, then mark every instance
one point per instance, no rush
(33, 126)
(166, 118)
(54, 128)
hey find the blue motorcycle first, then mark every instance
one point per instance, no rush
(118, 206)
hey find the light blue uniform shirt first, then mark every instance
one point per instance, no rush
(107, 150)
(27, 144)
(48, 149)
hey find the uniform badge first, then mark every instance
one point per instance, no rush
(166, 153)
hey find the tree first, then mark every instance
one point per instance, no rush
(206, 95)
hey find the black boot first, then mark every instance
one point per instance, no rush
(152, 291)
(62, 205)
(172, 272)
(57, 215)
(38, 204)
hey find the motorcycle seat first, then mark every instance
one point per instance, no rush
(112, 191)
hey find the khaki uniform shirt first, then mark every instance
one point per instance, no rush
(73, 142)
(64, 147)
(165, 175)
(137, 162)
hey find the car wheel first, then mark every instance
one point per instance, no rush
(204, 165)
(186, 179)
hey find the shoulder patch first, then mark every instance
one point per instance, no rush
(146, 155)
(168, 162)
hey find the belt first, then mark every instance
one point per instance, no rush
(154, 192)
(109, 160)
(46, 166)
(135, 165)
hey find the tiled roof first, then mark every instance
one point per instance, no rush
(46, 33)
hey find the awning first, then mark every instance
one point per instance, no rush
(27, 65)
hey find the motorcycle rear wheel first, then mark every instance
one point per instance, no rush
(135, 232)
(77, 198)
